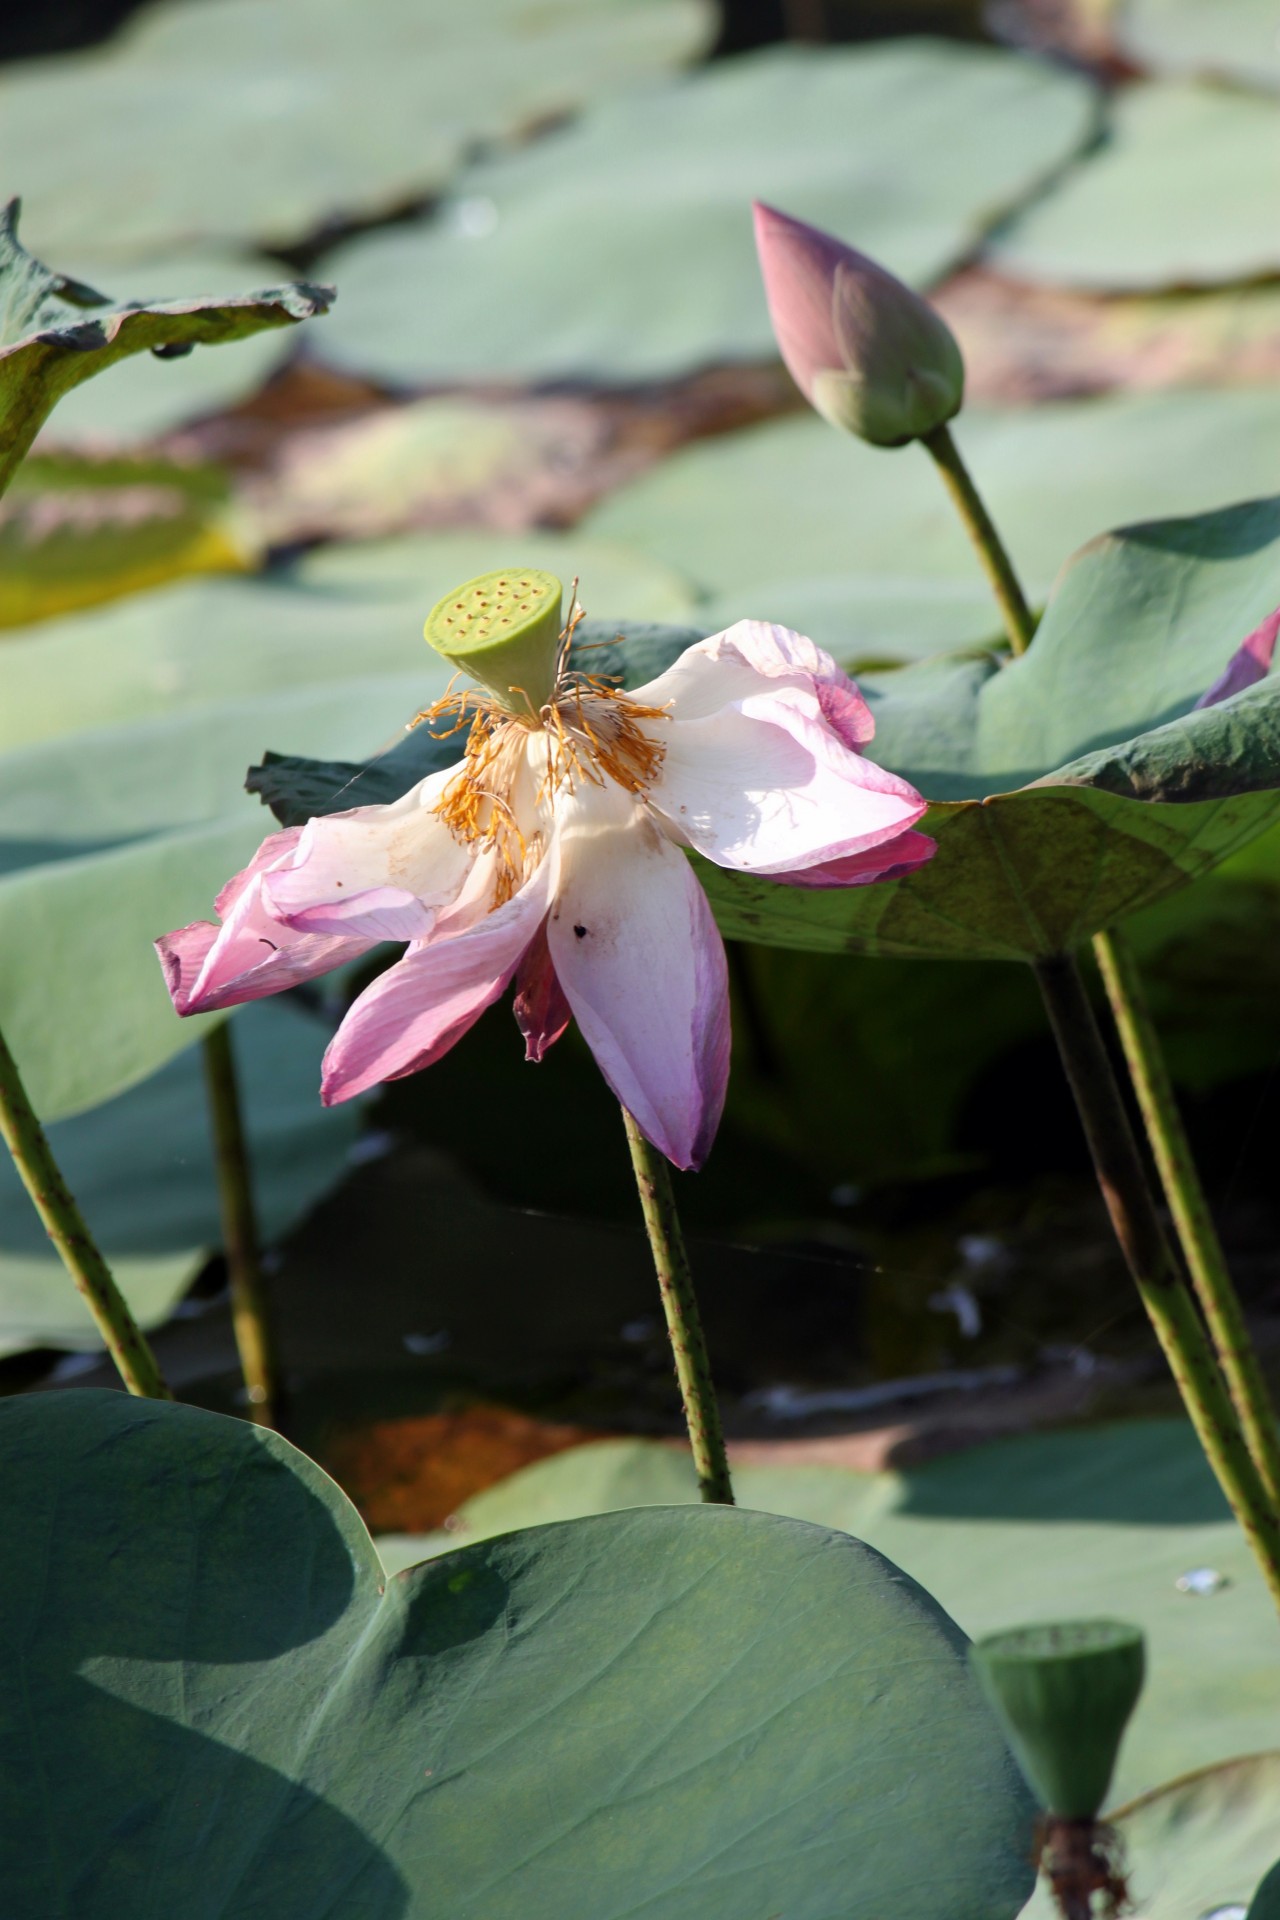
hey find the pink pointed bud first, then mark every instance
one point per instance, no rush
(869, 354)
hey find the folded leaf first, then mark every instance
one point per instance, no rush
(55, 332)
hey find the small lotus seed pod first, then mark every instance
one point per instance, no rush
(504, 630)
(1064, 1694)
(869, 354)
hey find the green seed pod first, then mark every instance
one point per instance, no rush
(1265, 1904)
(504, 630)
(1064, 1693)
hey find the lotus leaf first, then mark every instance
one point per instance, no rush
(143, 399)
(223, 1708)
(1235, 37)
(75, 531)
(862, 550)
(1175, 197)
(142, 1168)
(544, 263)
(56, 332)
(269, 119)
(1044, 1526)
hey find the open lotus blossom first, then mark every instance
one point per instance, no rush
(553, 854)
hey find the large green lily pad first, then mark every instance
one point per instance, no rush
(1177, 196)
(1068, 788)
(1235, 37)
(221, 1702)
(56, 332)
(862, 550)
(1050, 1525)
(620, 247)
(142, 1168)
(75, 531)
(1197, 1846)
(269, 119)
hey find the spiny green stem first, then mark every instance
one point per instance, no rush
(684, 1324)
(249, 1310)
(1155, 1272)
(1019, 621)
(1148, 1072)
(64, 1224)
(1206, 1261)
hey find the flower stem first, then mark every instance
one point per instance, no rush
(64, 1224)
(1019, 621)
(684, 1324)
(1150, 1260)
(249, 1314)
(1201, 1246)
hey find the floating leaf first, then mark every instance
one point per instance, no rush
(1235, 37)
(445, 461)
(142, 1168)
(1043, 1526)
(544, 263)
(680, 1710)
(268, 122)
(862, 550)
(1177, 196)
(1197, 1846)
(145, 399)
(55, 332)
(77, 531)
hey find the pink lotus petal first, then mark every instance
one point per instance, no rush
(1250, 663)
(414, 1013)
(799, 264)
(768, 787)
(383, 913)
(642, 966)
(750, 657)
(403, 848)
(541, 1010)
(251, 954)
(889, 861)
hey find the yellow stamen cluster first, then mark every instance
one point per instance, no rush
(594, 733)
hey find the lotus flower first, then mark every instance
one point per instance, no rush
(869, 354)
(553, 854)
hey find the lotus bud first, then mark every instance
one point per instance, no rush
(869, 354)
(504, 630)
(1064, 1694)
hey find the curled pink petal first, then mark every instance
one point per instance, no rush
(415, 1011)
(251, 954)
(767, 787)
(541, 1010)
(643, 967)
(889, 861)
(745, 659)
(383, 913)
(404, 848)
(1250, 663)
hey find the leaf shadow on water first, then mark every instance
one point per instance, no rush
(160, 1561)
